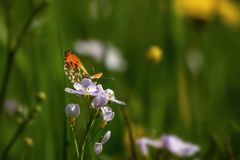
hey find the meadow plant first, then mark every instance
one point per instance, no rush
(98, 146)
(86, 87)
(24, 117)
(171, 143)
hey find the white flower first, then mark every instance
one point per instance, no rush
(178, 147)
(107, 113)
(103, 97)
(106, 137)
(72, 110)
(93, 48)
(170, 142)
(114, 60)
(98, 146)
(144, 142)
(85, 87)
(111, 97)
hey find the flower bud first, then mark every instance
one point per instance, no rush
(72, 111)
(41, 97)
(98, 147)
(106, 137)
(28, 141)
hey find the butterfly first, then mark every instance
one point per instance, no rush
(75, 70)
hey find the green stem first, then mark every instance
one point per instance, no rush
(11, 51)
(17, 133)
(75, 140)
(90, 124)
(130, 133)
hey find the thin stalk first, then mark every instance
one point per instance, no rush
(90, 124)
(130, 133)
(11, 51)
(17, 133)
(65, 140)
(75, 140)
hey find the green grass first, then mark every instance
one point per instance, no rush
(162, 98)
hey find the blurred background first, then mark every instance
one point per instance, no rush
(174, 62)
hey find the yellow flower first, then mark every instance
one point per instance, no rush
(200, 9)
(154, 53)
(229, 12)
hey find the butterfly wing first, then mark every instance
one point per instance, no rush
(96, 76)
(74, 69)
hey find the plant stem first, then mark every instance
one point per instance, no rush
(90, 124)
(75, 140)
(17, 133)
(130, 133)
(11, 51)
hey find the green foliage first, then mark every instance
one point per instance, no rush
(161, 98)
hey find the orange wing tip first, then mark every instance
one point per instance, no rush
(98, 75)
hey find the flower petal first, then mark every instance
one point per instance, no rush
(144, 142)
(99, 101)
(106, 137)
(72, 91)
(85, 82)
(178, 147)
(117, 101)
(98, 147)
(78, 86)
(92, 88)
(110, 93)
(100, 88)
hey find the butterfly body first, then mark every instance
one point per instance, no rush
(75, 70)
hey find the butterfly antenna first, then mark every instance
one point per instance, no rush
(108, 78)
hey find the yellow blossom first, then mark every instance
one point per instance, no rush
(229, 12)
(154, 53)
(200, 9)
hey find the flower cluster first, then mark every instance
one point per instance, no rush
(171, 143)
(100, 100)
(100, 96)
